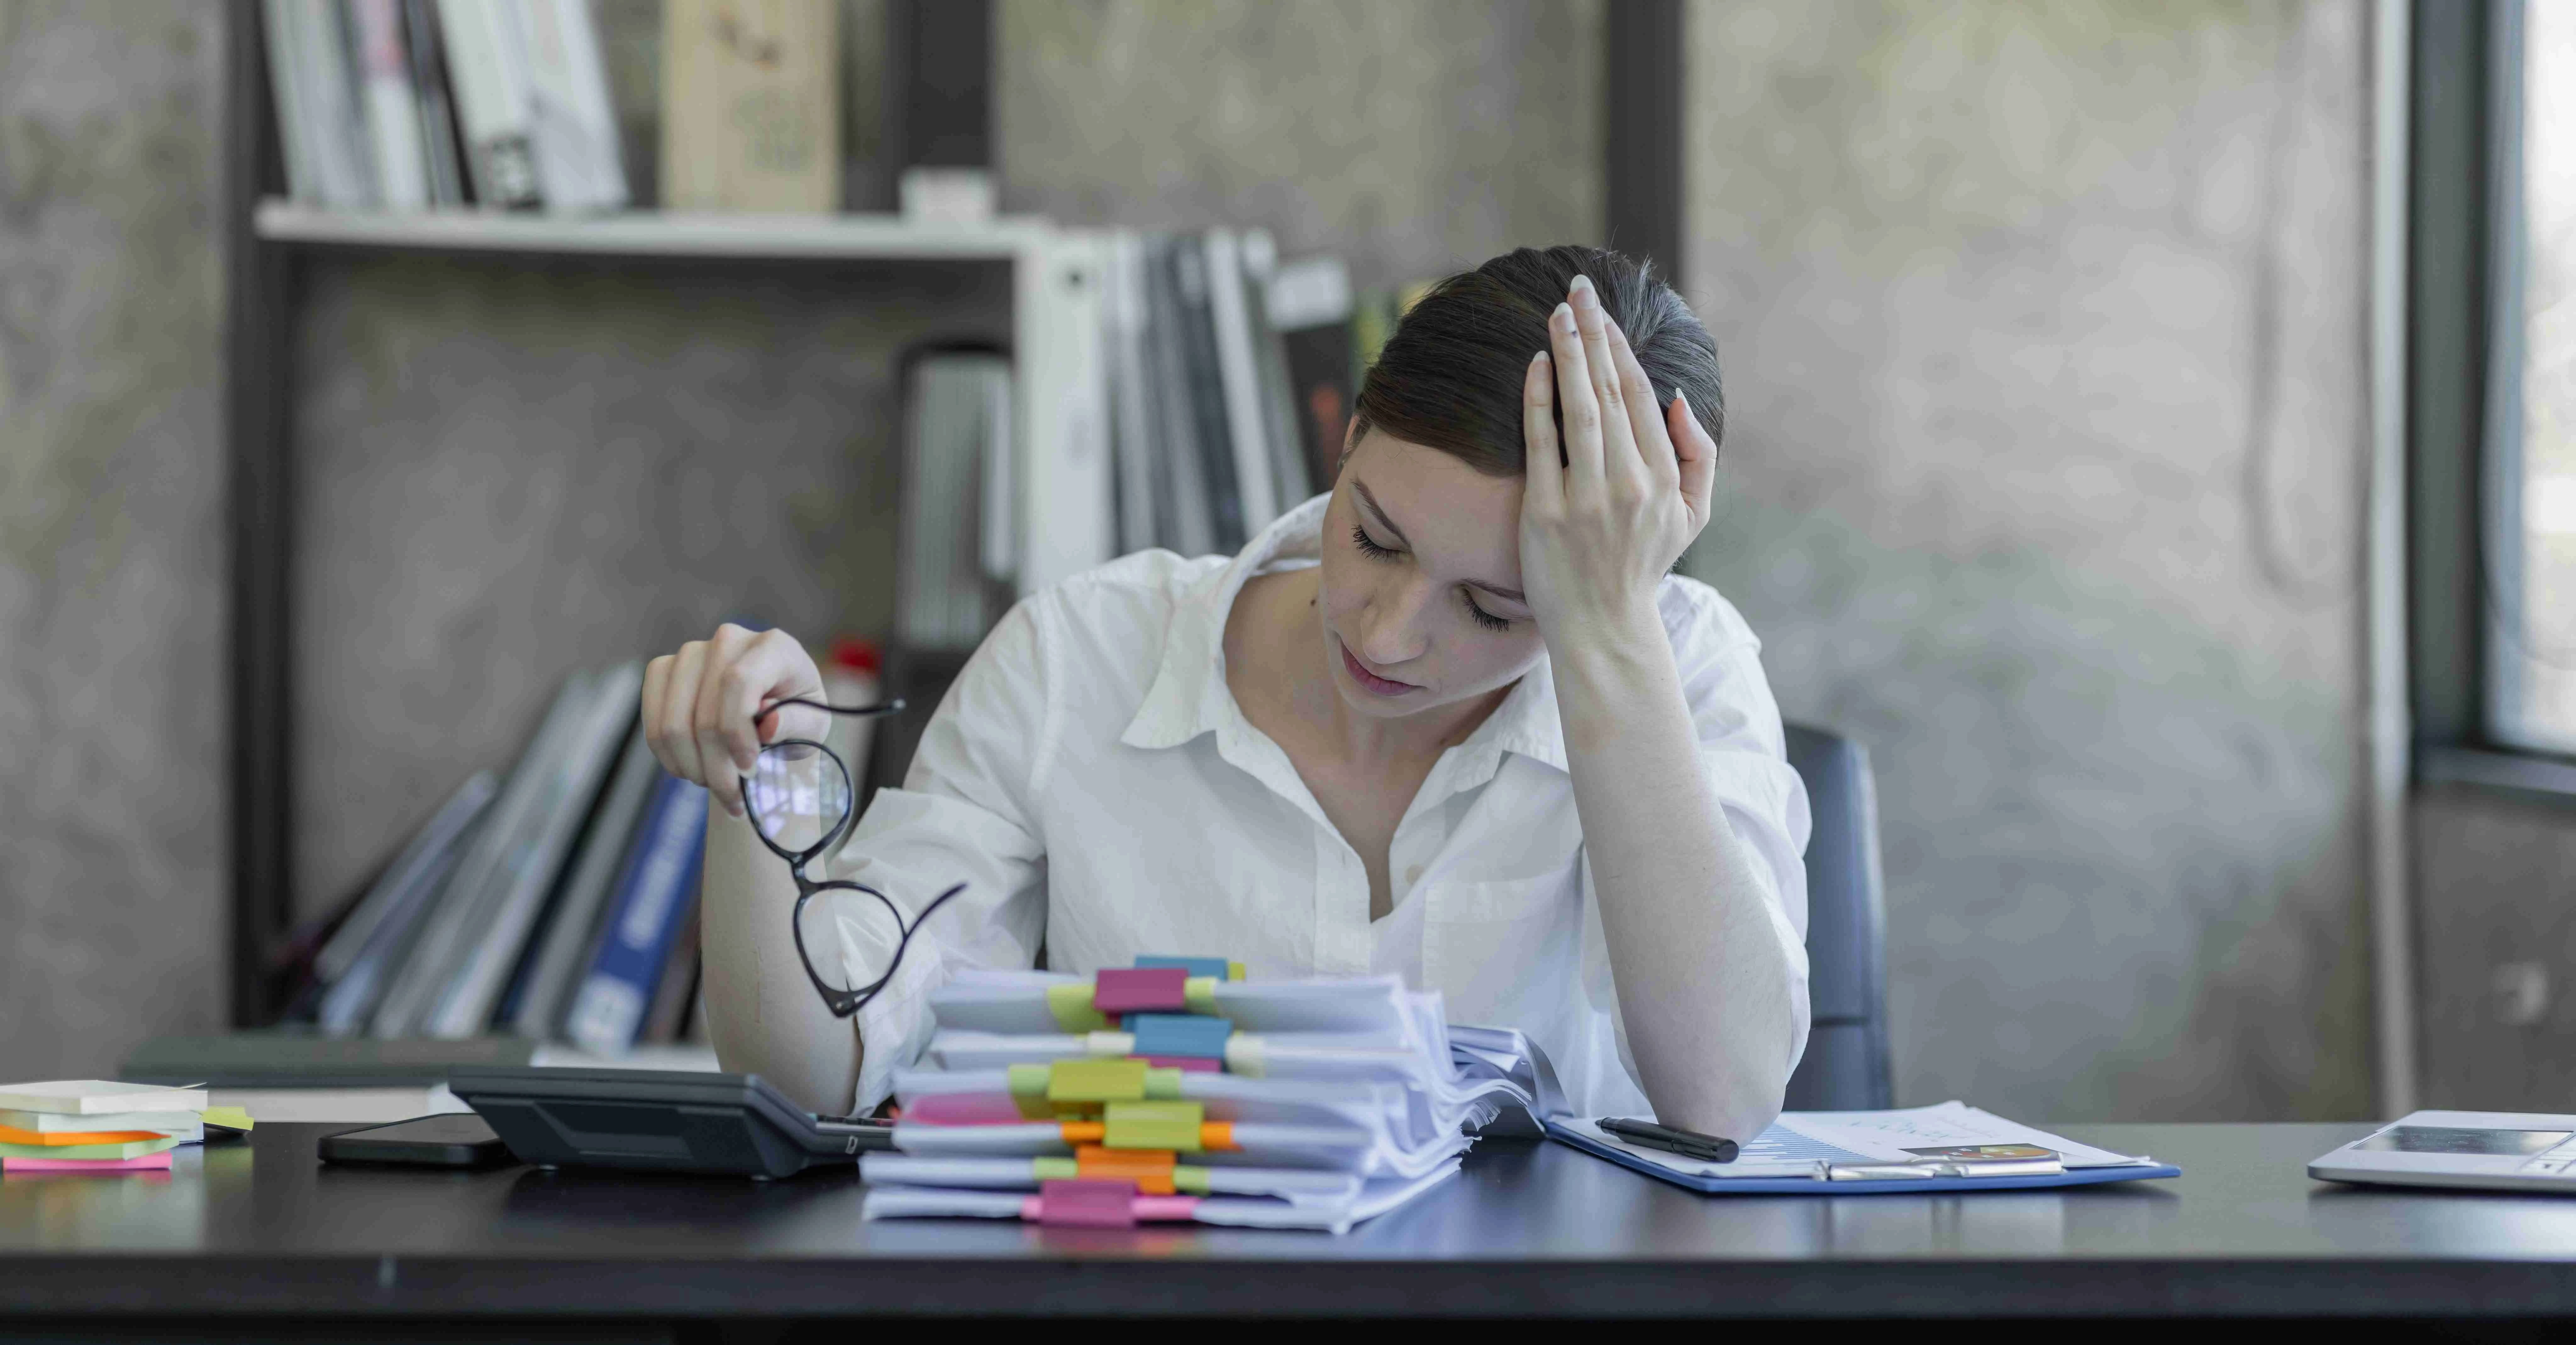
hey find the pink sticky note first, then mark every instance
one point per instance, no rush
(1118, 990)
(964, 1109)
(146, 1163)
(1087, 1202)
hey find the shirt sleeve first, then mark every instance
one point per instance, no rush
(1744, 754)
(963, 815)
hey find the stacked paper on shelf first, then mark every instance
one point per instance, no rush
(1177, 1090)
(95, 1125)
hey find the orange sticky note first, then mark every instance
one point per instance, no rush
(13, 1135)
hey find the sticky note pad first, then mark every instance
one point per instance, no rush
(1196, 966)
(1150, 1169)
(1140, 990)
(1153, 1125)
(1070, 1005)
(111, 1152)
(1096, 1081)
(1162, 1034)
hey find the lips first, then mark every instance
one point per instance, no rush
(1369, 681)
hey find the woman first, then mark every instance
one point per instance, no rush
(1453, 720)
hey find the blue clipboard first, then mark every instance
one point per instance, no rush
(1810, 1186)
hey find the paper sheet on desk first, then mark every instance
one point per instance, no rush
(1801, 1144)
(1892, 1136)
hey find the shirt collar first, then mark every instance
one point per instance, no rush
(1189, 695)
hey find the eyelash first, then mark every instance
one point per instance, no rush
(1369, 548)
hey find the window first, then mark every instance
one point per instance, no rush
(2530, 487)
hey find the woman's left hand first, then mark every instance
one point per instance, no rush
(1603, 521)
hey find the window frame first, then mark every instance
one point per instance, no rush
(2463, 233)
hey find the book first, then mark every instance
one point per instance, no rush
(751, 105)
(1310, 304)
(487, 70)
(677, 986)
(1188, 495)
(349, 1004)
(573, 932)
(401, 882)
(281, 23)
(511, 906)
(393, 109)
(1284, 445)
(572, 129)
(1239, 381)
(314, 85)
(652, 895)
(956, 439)
(1202, 391)
(1142, 521)
(93, 1097)
(444, 170)
(450, 929)
(299, 1060)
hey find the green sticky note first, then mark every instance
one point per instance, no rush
(1054, 1169)
(1154, 1125)
(1071, 1005)
(1096, 1081)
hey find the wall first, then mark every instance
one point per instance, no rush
(111, 599)
(2045, 347)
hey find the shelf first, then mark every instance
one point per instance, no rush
(659, 234)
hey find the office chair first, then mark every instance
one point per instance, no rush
(1846, 1066)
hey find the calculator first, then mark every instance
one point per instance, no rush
(2485, 1150)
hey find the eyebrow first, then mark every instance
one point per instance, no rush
(1378, 512)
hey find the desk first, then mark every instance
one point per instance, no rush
(259, 1229)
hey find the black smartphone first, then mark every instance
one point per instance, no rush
(449, 1140)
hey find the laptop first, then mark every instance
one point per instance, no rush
(2488, 1150)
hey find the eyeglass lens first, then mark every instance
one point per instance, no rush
(798, 796)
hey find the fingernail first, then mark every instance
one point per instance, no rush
(1582, 285)
(1539, 358)
(1562, 317)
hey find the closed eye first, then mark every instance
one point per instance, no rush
(1368, 547)
(1480, 616)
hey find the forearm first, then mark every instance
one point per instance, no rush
(1705, 987)
(762, 1012)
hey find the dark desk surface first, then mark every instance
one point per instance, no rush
(1527, 1229)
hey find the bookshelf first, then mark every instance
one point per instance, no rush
(1060, 424)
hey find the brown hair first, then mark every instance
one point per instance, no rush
(1450, 377)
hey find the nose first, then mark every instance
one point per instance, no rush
(1394, 627)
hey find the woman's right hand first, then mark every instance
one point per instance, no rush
(700, 703)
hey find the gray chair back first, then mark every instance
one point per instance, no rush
(1846, 1065)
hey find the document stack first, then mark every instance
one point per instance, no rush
(92, 1125)
(1177, 1090)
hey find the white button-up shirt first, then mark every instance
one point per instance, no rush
(1092, 780)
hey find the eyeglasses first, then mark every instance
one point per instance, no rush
(800, 802)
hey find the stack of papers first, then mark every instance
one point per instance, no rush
(1177, 1090)
(96, 1125)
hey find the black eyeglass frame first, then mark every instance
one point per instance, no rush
(842, 1003)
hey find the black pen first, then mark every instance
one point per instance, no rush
(1687, 1143)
